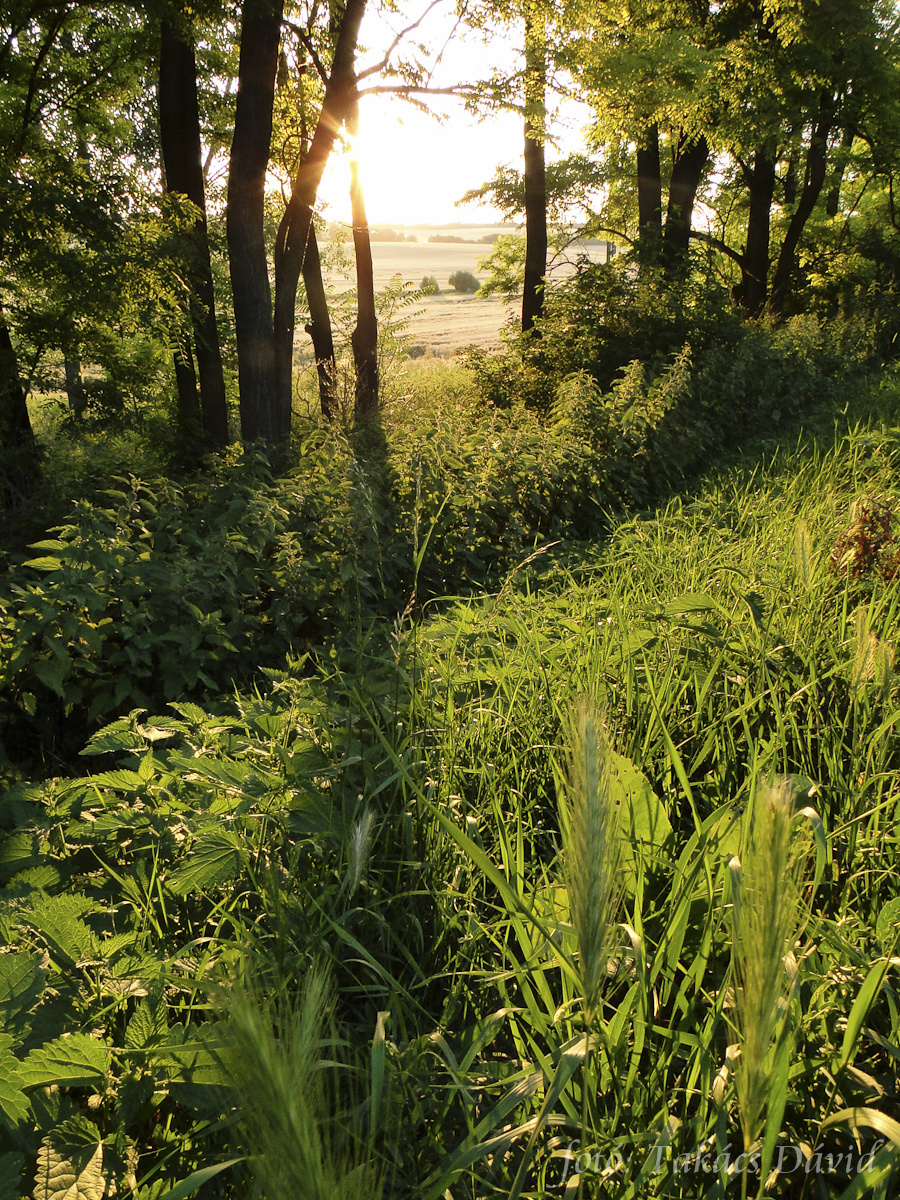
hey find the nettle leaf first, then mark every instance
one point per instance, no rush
(120, 735)
(135, 1090)
(149, 1025)
(194, 1055)
(119, 781)
(11, 1167)
(58, 918)
(21, 983)
(216, 858)
(73, 1060)
(13, 1103)
(53, 673)
(70, 1163)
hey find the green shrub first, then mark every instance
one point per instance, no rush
(464, 281)
(430, 286)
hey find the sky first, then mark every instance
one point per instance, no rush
(414, 166)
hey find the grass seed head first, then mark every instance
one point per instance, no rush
(591, 851)
(767, 916)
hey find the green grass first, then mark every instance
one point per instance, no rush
(392, 818)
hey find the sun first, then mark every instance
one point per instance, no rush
(414, 167)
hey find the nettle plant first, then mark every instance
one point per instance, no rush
(867, 549)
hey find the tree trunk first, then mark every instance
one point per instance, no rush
(751, 292)
(364, 338)
(833, 201)
(179, 129)
(813, 182)
(649, 189)
(19, 469)
(186, 384)
(293, 233)
(319, 327)
(687, 171)
(265, 412)
(535, 172)
(74, 386)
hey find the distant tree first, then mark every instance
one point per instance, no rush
(464, 281)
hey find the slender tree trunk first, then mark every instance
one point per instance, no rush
(179, 127)
(535, 170)
(19, 468)
(813, 182)
(364, 338)
(833, 201)
(265, 411)
(292, 241)
(319, 327)
(752, 291)
(649, 189)
(687, 171)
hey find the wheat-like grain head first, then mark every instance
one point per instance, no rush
(591, 844)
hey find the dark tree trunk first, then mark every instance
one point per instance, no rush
(179, 128)
(186, 384)
(687, 170)
(19, 468)
(813, 182)
(752, 291)
(265, 412)
(74, 386)
(535, 171)
(364, 338)
(293, 233)
(649, 189)
(319, 327)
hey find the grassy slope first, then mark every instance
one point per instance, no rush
(720, 649)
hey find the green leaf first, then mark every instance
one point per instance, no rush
(53, 673)
(58, 918)
(118, 781)
(73, 1060)
(46, 562)
(13, 1103)
(871, 987)
(194, 1182)
(642, 814)
(149, 1025)
(11, 1167)
(871, 1118)
(216, 858)
(21, 983)
(887, 923)
(70, 1163)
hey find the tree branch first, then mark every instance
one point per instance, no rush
(380, 66)
(310, 49)
(718, 244)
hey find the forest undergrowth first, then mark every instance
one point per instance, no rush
(483, 858)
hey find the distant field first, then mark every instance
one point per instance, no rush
(449, 322)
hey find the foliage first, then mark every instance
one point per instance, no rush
(156, 590)
(430, 286)
(464, 281)
(867, 547)
(391, 810)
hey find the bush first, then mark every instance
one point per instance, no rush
(429, 286)
(464, 281)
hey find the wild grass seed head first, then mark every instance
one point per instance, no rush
(591, 847)
(289, 1087)
(768, 913)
